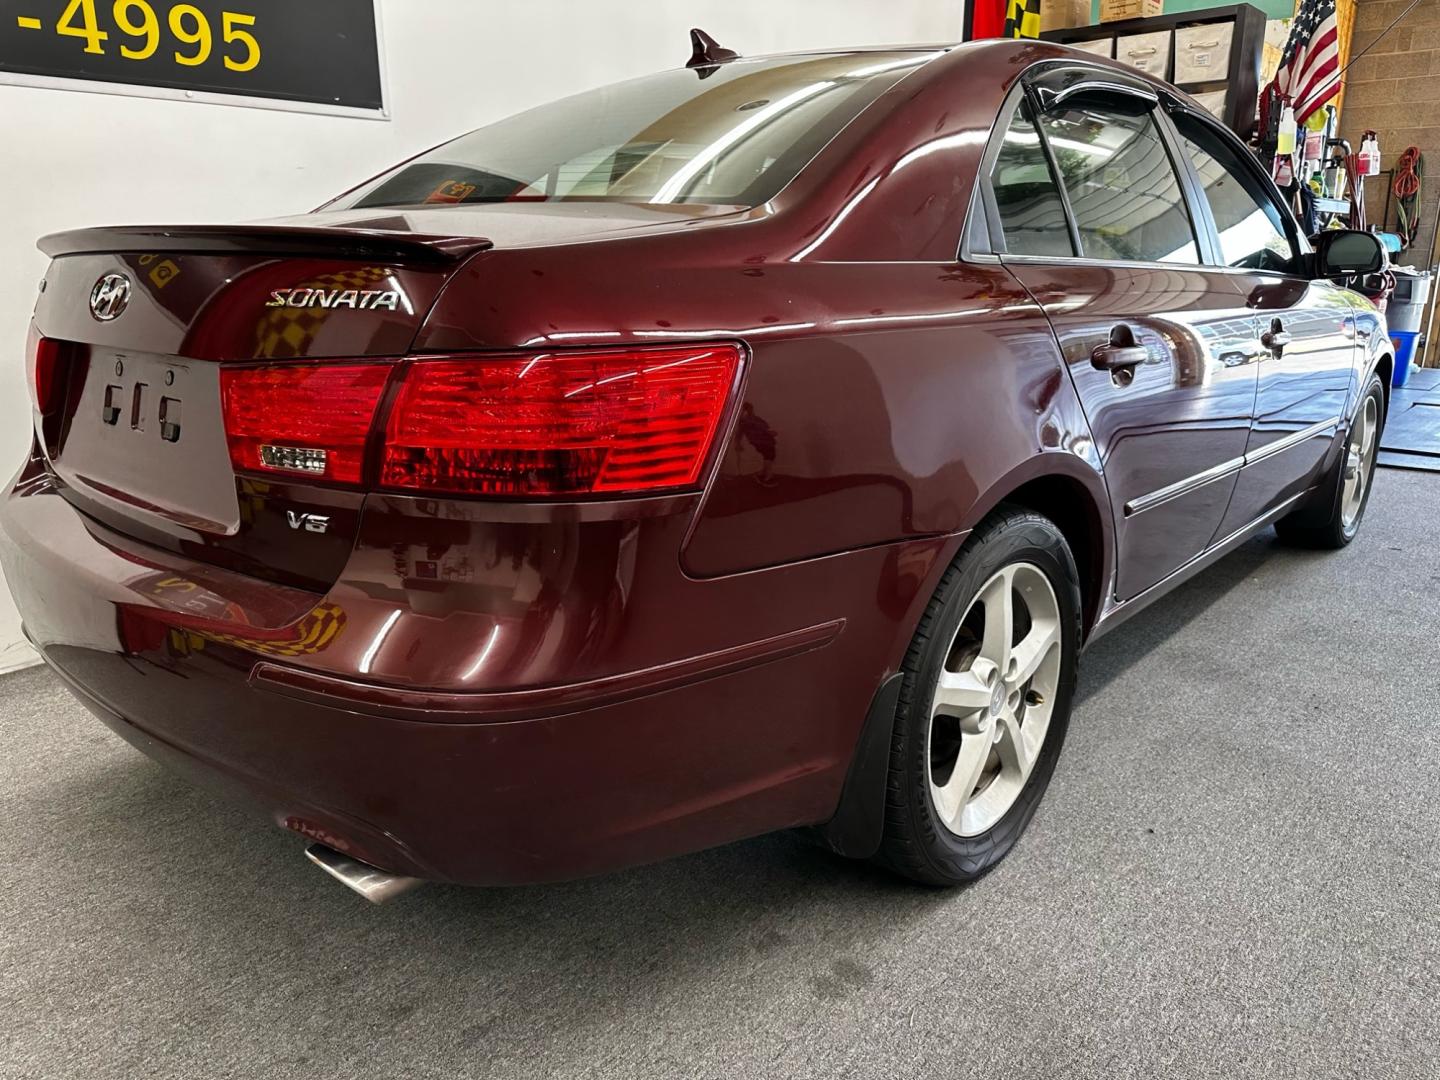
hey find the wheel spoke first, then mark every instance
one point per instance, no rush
(974, 752)
(963, 692)
(1016, 753)
(999, 619)
(1033, 649)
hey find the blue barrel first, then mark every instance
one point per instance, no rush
(1404, 353)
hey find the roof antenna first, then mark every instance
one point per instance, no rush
(706, 52)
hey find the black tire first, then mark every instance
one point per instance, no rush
(1322, 522)
(917, 843)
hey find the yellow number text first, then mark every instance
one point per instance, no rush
(148, 28)
(89, 29)
(200, 36)
(229, 21)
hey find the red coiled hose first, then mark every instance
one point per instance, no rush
(1409, 174)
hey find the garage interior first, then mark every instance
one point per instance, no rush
(1235, 870)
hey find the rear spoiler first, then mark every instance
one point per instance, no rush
(276, 240)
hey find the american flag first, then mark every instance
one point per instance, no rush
(1309, 73)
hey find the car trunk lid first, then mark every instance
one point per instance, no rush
(138, 437)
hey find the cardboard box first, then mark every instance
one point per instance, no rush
(1104, 47)
(1063, 14)
(1113, 10)
(1146, 52)
(1202, 53)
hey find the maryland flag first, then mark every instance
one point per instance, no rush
(1004, 18)
(1022, 18)
(193, 616)
(312, 634)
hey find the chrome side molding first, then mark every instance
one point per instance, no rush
(1324, 427)
(1141, 503)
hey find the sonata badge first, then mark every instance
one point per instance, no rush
(356, 299)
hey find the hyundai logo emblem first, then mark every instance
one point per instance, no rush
(109, 297)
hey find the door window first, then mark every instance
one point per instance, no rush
(1251, 227)
(1122, 185)
(1031, 213)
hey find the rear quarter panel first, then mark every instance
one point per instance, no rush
(881, 401)
(891, 390)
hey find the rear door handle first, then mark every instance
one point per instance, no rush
(1120, 352)
(1276, 338)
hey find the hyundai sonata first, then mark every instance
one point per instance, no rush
(746, 447)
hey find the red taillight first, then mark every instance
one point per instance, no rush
(44, 365)
(570, 423)
(559, 424)
(302, 420)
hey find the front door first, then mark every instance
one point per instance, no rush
(1162, 350)
(1306, 328)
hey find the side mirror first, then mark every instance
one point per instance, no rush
(1348, 253)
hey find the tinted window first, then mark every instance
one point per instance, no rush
(1252, 231)
(1122, 185)
(733, 134)
(1031, 212)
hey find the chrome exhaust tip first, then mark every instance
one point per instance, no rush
(371, 882)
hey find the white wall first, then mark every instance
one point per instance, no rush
(73, 159)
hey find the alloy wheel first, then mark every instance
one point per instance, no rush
(1360, 462)
(993, 701)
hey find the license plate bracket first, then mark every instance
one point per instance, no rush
(147, 436)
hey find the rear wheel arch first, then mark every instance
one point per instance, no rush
(1385, 368)
(1060, 487)
(1070, 506)
(1079, 507)
(999, 761)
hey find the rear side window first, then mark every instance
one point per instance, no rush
(1251, 228)
(1122, 185)
(1031, 213)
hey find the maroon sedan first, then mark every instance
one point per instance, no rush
(746, 447)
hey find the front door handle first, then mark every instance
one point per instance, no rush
(1121, 352)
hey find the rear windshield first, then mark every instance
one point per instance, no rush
(734, 135)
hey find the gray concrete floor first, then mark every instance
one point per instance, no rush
(1235, 873)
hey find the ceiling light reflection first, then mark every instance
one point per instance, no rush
(368, 659)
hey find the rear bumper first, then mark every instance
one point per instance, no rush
(721, 732)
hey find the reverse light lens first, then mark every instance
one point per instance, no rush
(558, 424)
(308, 421)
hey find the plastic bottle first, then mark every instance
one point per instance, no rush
(1368, 159)
(1334, 179)
(1286, 138)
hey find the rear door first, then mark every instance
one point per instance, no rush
(1306, 328)
(1087, 197)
